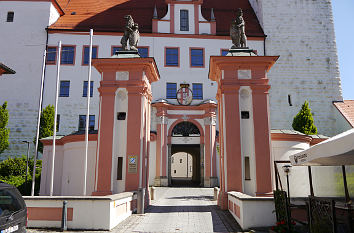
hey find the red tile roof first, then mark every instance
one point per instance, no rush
(347, 109)
(107, 15)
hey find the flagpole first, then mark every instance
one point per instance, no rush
(55, 118)
(88, 112)
(38, 123)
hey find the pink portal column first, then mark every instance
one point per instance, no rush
(225, 71)
(161, 178)
(210, 179)
(134, 77)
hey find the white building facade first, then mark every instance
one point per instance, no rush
(181, 36)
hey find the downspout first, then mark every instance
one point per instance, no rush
(264, 45)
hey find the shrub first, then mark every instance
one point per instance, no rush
(303, 121)
(13, 171)
(4, 132)
(46, 125)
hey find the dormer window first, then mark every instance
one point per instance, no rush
(184, 20)
(10, 16)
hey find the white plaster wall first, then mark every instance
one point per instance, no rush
(54, 15)
(71, 107)
(247, 140)
(22, 46)
(341, 123)
(73, 167)
(105, 216)
(163, 26)
(302, 33)
(204, 28)
(254, 211)
(119, 137)
(181, 168)
(152, 163)
(47, 170)
(185, 140)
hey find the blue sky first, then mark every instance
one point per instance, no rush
(343, 12)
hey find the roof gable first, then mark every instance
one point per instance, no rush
(346, 108)
(107, 15)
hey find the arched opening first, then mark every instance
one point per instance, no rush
(185, 143)
(181, 167)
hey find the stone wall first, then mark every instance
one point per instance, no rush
(302, 33)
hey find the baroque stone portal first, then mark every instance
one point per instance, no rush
(237, 31)
(131, 34)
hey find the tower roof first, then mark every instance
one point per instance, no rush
(107, 15)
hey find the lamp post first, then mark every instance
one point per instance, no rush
(286, 169)
(28, 149)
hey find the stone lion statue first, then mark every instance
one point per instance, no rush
(237, 31)
(131, 34)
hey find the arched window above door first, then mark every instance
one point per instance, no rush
(186, 129)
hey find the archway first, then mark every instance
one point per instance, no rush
(181, 168)
(185, 140)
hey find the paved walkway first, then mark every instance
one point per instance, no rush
(180, 210)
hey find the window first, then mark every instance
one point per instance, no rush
(174, 171)
(64, 88)
(289, 100)
(172, 57)
(180, 160)
(197, 57)
(116, 49)
(58, 122)
(68, 55)
(82, 122)
(51, 55)
(184, 21)
(247, 169)
(120, 168)
(197, 91)
(245, 115)
(143, 51)
(171, 90)
(85, 58)
(84, 92)
(10, 16)
(224, 52)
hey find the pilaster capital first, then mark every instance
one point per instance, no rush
(163, 120)
(260, 89)
(107, 90)
(210, 120)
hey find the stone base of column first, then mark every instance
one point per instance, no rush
(222, 200)
(214, 182)
(207, 182)
(210, 182)
(101, 193)
(161, 181)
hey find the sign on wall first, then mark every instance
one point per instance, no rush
(132, 164)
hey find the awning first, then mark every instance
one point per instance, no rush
(336, 151)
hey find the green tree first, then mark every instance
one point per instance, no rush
(13, 171)
(4, 132)
(46, 125)
(303, 121)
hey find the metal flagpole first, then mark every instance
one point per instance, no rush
(55, 119)
(38, 123)
(88, 113)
